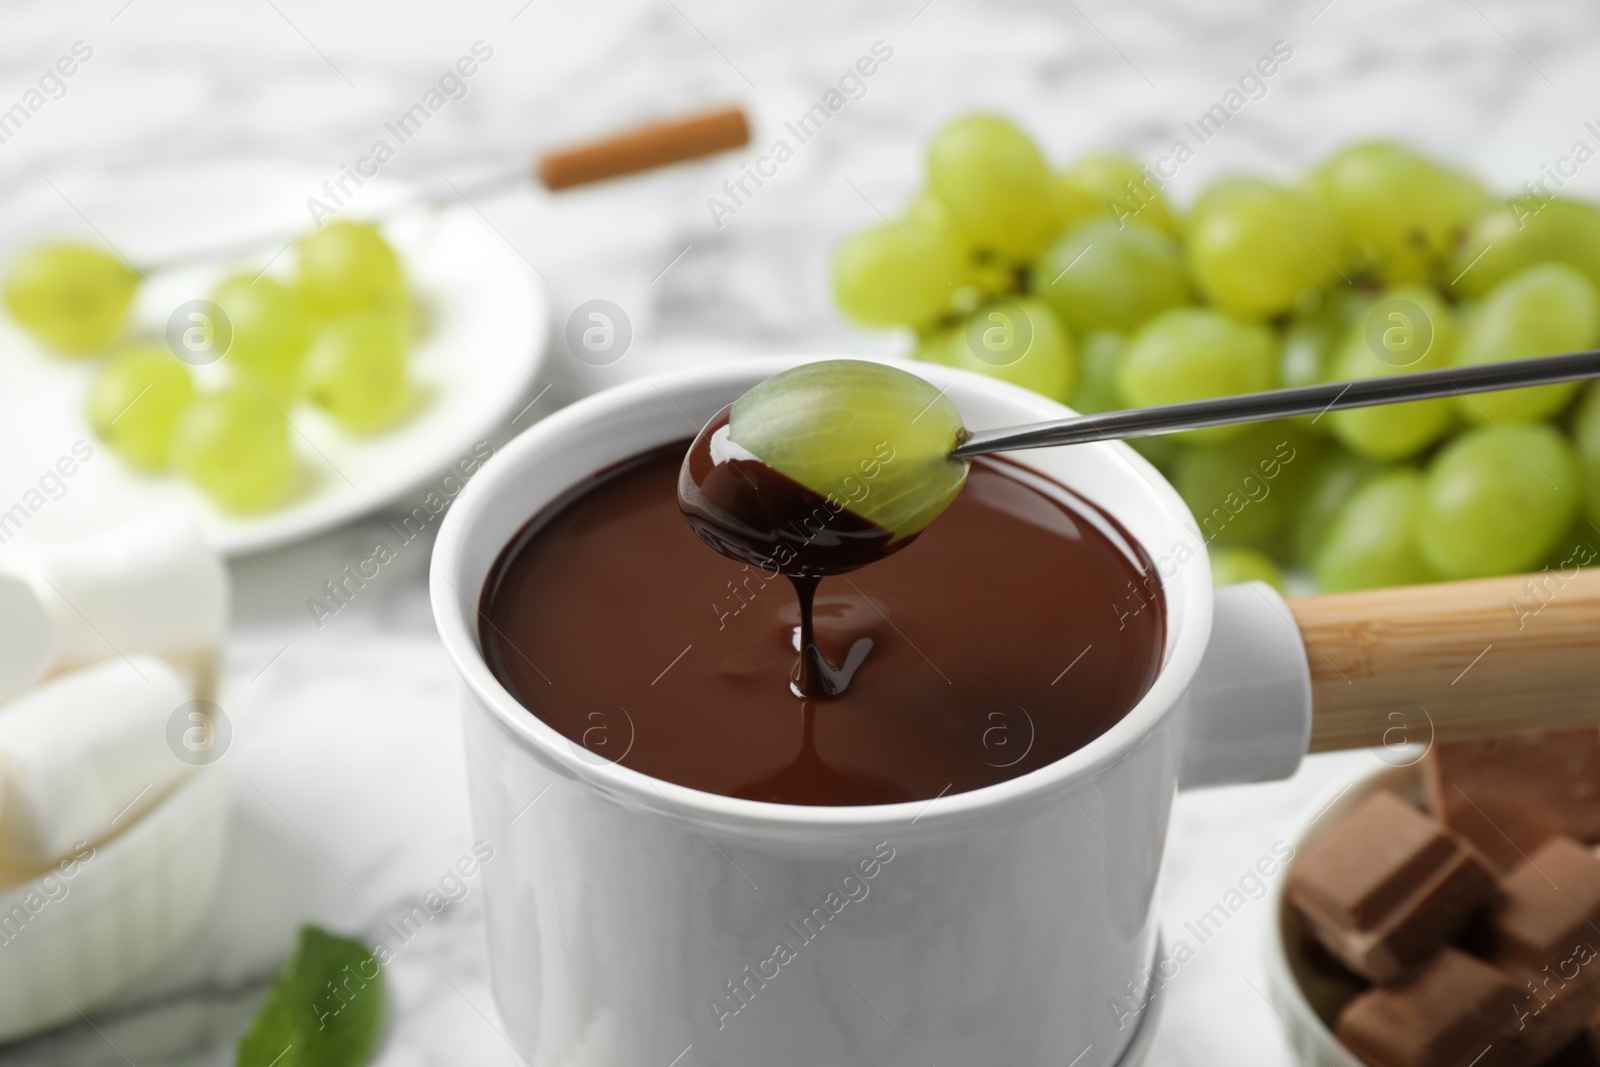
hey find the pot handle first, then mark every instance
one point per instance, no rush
(1249, 715)
(1456, 661)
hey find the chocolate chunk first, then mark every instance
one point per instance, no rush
(1550, 906)
(1452, 1011)
(1545, 934)
(1578, 1054)
(1387, 886)
(1509, 795)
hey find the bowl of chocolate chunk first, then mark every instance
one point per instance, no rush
(1447, 913)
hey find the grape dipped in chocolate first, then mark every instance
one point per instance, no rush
(823, 468)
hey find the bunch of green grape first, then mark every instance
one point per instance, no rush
(337, 336)
(1088, 286)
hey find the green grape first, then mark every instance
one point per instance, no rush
(1509, 238)
(348, 266)
(1405, 212)
(1578, 547)
(1405, 330)
(1542, 311)
(976, 273)
(234, 446)
(1311, 339)
(1018, 341)
(1099, 362)
(1259, 251)
(73, 298)
(1497, 499)
(1373, 540)
(902, 274)
(271, 332)
(1162, 452)
(925, 209)
(1110, 185)
(819, 422)
(1331, 479)
(1216, 195)
(1196, 354)
(135, 400)
(933, 345)
(356, 372)
(1104, 277)
(995, 183)
(1230, 566)
(1311, 343)
(1246, 491)
(1586, 439)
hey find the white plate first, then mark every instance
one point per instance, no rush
(486, 311)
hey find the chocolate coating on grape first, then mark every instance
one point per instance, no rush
(748, 511)
(752, 513)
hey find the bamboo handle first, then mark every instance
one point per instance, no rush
(645, 147)
(1479, 659)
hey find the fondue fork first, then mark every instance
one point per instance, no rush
(1315, 400)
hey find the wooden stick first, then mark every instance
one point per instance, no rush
(645, 147)
(1480, 659)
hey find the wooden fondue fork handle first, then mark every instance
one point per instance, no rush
(1453, 661)
(645, 148)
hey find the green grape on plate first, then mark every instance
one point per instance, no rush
(1497, 499)
(1542, 311)
(356, 372)
(271, 330)
(349, 266)
(73, 298)
(1106, 276)
(1374, 539)
(1405, 330)
(1196, 354)
(135, 400)
(1017, 341)
(994, 181)
(234, 446)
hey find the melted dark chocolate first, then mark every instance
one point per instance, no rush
(753, 513)
(1021, 625)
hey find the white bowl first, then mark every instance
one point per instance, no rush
(1308, 1000)
(90, 933)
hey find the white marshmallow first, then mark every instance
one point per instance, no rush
(30, 641)
(83, 756)
(149, 586)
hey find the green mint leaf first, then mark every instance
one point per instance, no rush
(325, 1009)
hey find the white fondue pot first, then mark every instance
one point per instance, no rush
(638, 923)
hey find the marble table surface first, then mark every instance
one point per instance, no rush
(347, 755)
